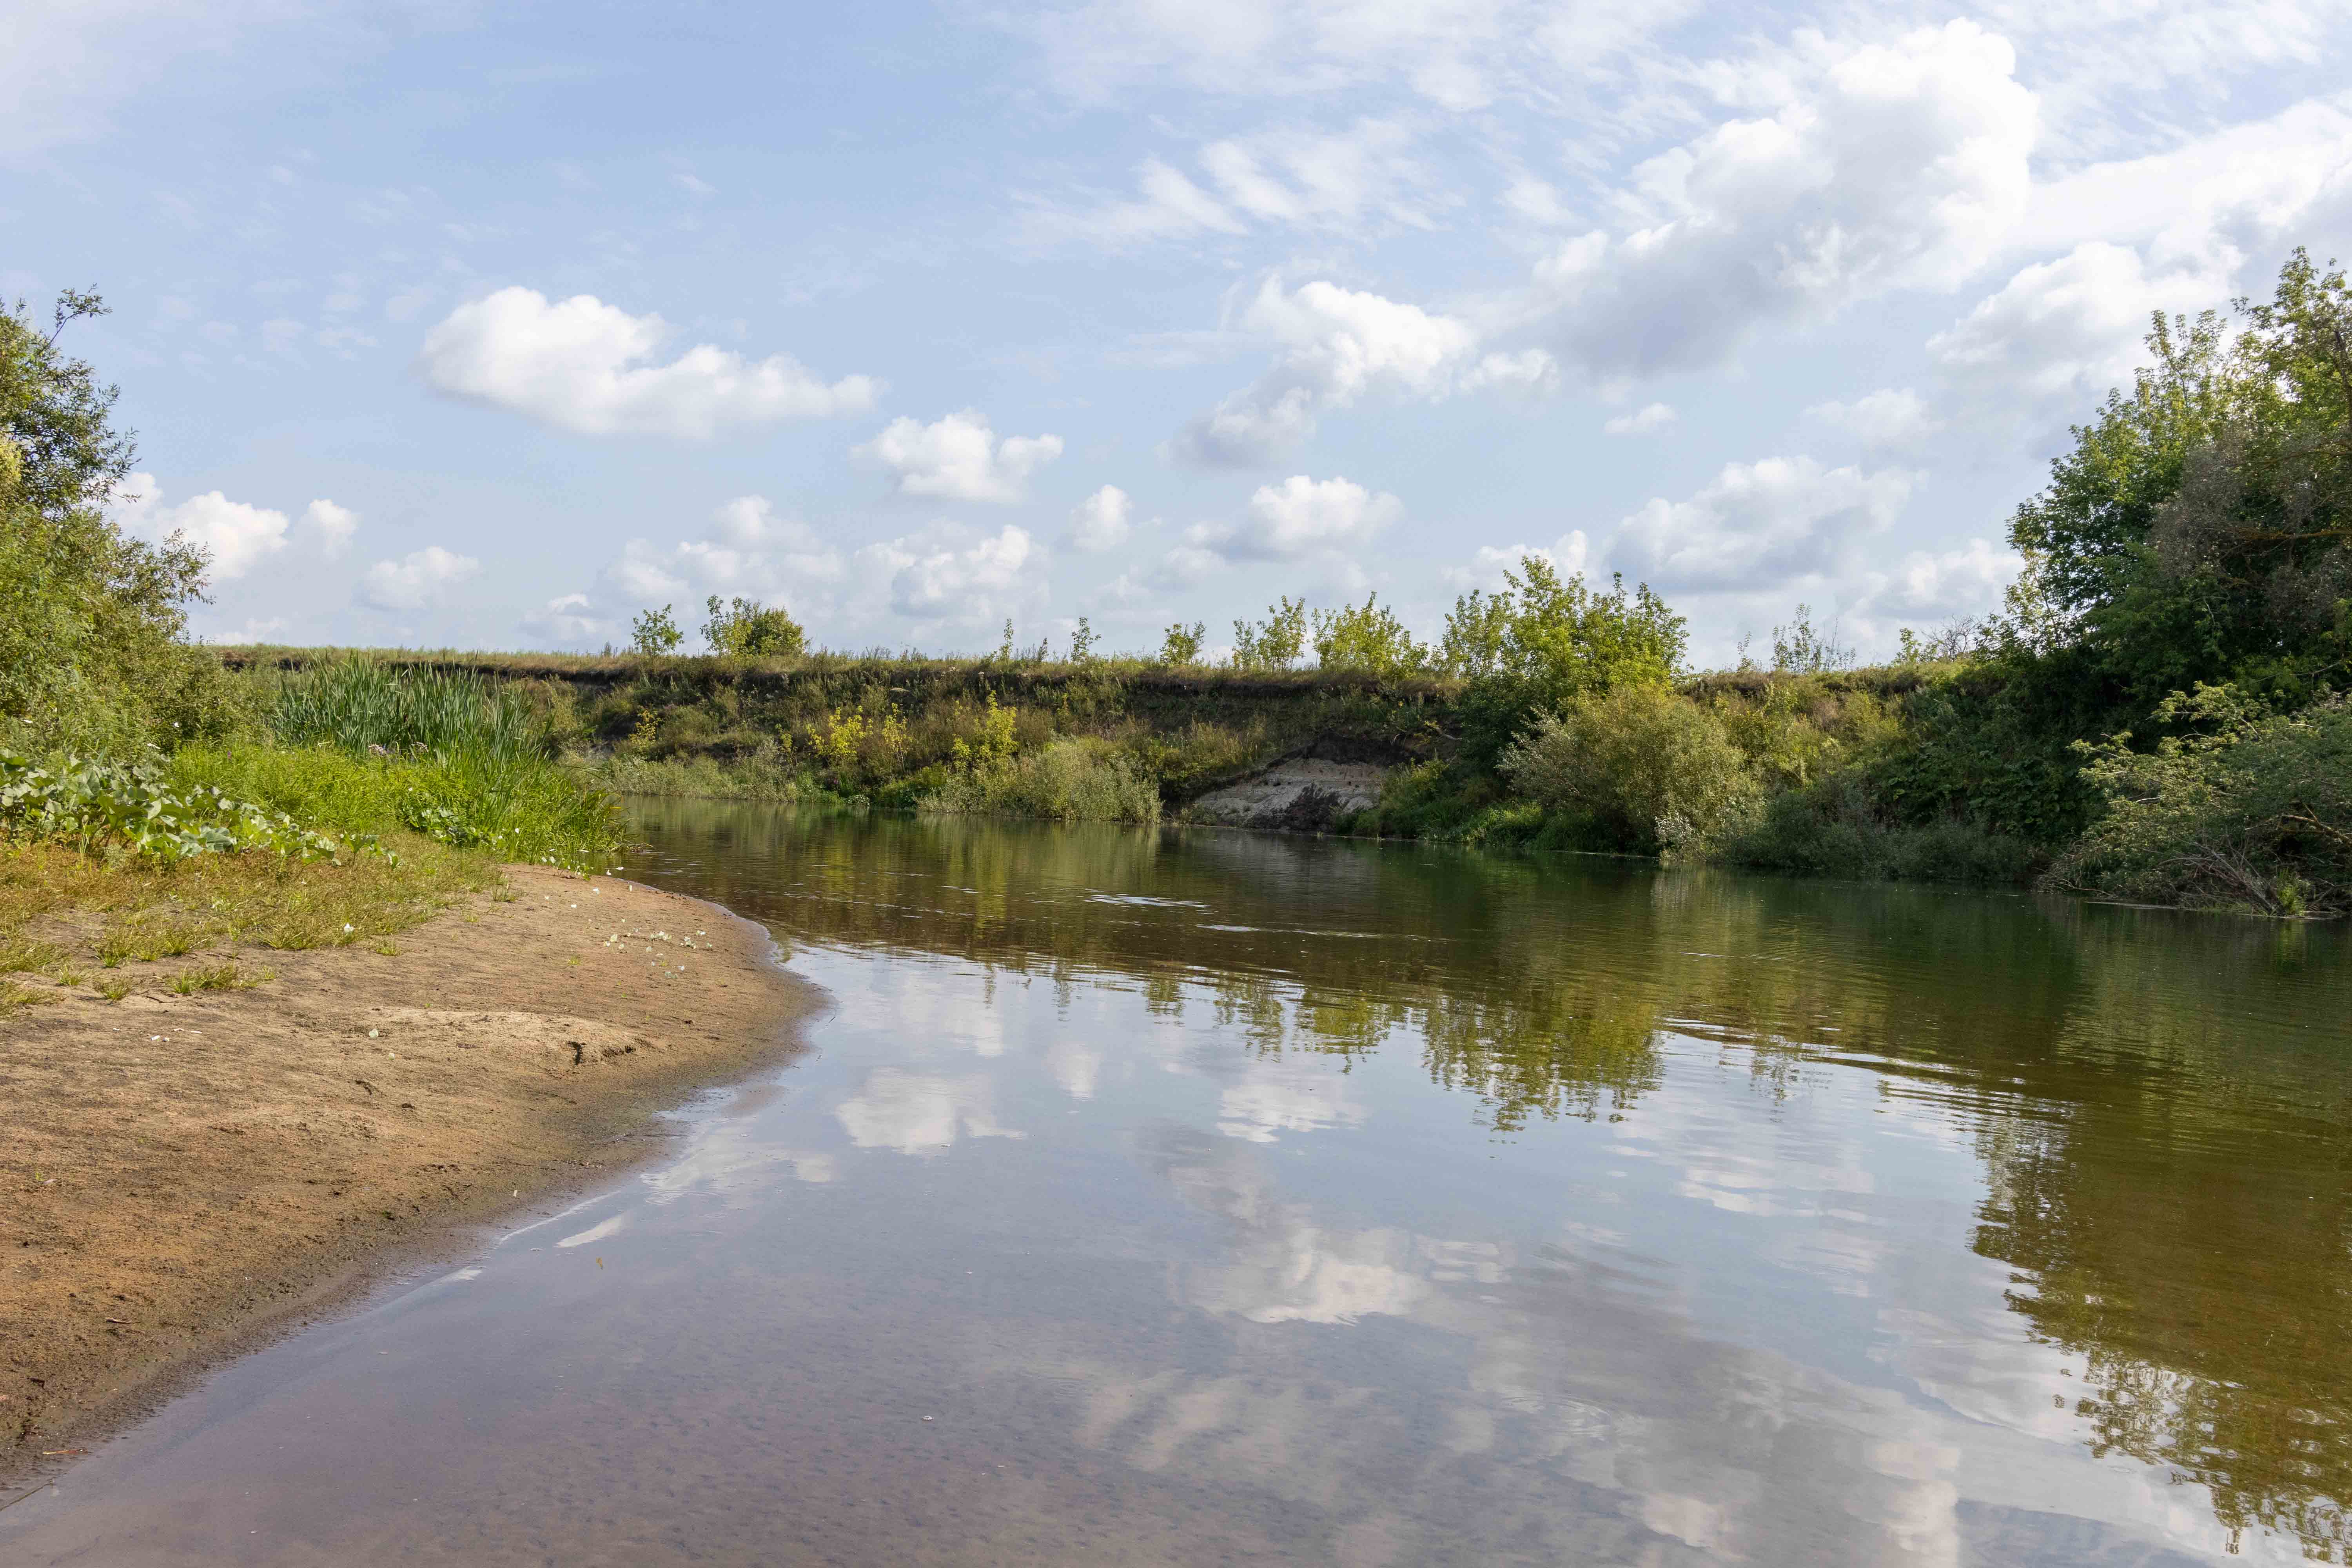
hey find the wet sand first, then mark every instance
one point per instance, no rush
(186, 1174)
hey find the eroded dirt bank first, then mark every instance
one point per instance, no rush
(179, 1169)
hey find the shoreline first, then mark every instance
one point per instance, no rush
(190, 1176)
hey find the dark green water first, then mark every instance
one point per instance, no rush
(1212, 1197)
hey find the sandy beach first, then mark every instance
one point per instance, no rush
(186, 1173)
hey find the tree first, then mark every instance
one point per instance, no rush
(92, 652)
(1545, 640)
(2201, 529)
(745, 628)
(1275, 642)
(655, 633)
(1182, 644)
(1367, 636)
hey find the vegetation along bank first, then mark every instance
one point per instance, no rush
(2158, 714)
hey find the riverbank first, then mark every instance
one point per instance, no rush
(185, 1171)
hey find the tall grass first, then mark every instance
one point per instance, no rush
(354, 704)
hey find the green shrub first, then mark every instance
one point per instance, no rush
(1075, 779)
(1367, 636)
(1645, 768)
(1275, 642)
(1834, 829)
(748, 629)
(2255, 812)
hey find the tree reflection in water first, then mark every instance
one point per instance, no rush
(2160, 1103)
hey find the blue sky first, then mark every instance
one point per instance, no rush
(454, 324)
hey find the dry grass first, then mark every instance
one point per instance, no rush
(62, 916)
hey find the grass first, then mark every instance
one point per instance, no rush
(355, 702)
(213, 977)
(1070, 780)
(60, 911)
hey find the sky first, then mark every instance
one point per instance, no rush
(452, 324)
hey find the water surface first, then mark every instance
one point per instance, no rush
(1207, 1197)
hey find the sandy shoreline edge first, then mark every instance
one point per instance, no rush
(188, 1175)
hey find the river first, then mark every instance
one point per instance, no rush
(1192, 1196)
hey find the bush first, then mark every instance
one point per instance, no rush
(1832, 829)
(1368, 637)
(1075, 779)
(2253, 812)
(1645, 768)
(748, 629)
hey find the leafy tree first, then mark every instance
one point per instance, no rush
(1803, 649)
(654, 632)
(92, 652)
(1182, 644)
(745, 628)
(1544, 639)
(1367, 636)
(1082, 642)
(1274, 642)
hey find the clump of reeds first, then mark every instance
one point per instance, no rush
(358, 705)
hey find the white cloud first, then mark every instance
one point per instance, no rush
(335, 525)
(585, 366)
(1340, 344)
(1345, 181)
(1567, 554)
(414, 580)
(238, 536)
(1886, 165)
(1526, 369)
(1297, 518)
(1891, 417)
(1643, 421)
(958, 457)
(1928, 587)
(1101, 521)
(2068, 328)
(945, 573)
(748, 551)
(569, 621)
(1759, 524)
(920, 1113)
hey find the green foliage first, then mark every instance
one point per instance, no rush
(1075, 779)
(1640, 767)
(90, 655)
(654, 633)
(994, 742)
(520, 807)
(1367, 636)
(1082, 642)
(1835, 829)
(136, 808)
(2250, 810)
(1543, 641)
(1802, 648)
(1182, 644)
(359, 704)
(745, 628)
(1274, 642)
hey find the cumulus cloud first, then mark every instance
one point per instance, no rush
(570, 620)
(581, 365)
(1339, 344)
(1101, 521)
(237, 536)
(1646, 420)
(1568, 555)
(1298, 518)
(1759, 524)
(947, 572)
(1886, 165)
(748, 550)
(2067, 328)
(1891, 417)
(336, 526)
(1932, 586)
(416, 579)
(958, 457)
